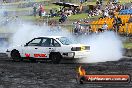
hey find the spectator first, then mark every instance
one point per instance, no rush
(53, 13)
(77, 27)
(100, 1)
(97, 2)
(105, 13)
(80, 8)
(130, 19)
(104, 27)
(115, 1)
(34, 10)
(117, 23)
(68, 12)
(63, 18)
(41, 10)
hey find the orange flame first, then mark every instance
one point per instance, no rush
(82, 71)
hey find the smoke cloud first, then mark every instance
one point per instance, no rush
(3, 46)
(105, 46)
(28, 31)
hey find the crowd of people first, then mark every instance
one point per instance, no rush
(64, 12)
(108, 11)
(40, 10)
(80, 28)
(99, 9)
(104, 11)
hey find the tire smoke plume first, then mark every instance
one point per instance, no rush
(105, 46)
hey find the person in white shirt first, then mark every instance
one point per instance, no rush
(104, 27)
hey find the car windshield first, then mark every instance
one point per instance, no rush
(65, 40)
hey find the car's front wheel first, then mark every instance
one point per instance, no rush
(55, 57)
(16, 56)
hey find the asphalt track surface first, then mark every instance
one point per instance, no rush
(47, 75)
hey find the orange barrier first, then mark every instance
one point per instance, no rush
(126, 28)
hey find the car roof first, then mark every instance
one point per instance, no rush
(49, 37)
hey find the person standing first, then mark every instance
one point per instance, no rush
(77, 27)
(104, 27)
(130, 19)
(63, 18)
(100, 1)
(41, 10)
(34, 10)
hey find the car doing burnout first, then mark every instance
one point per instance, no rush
(53, 48)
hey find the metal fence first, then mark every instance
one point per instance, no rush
(125, 30)
(85, 29)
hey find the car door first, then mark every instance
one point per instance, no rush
(40, 47)
(31, 47)
(46, 47)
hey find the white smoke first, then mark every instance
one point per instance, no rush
(105, 46)
(3, 42)
(3, 46)
(28, 31)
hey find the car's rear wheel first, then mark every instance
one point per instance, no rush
(33, 59)
(55, 57)
(16, 56)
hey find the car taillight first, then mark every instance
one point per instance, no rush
(76, 49)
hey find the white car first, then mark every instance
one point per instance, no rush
(54, 48)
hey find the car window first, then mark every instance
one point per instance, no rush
(34, 42)
(46, 42)
(65, 40)
(55, 43)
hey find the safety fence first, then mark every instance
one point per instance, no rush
(94, 28)
(86, 29)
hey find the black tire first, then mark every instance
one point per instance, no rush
(15, 55)
(82, 79)
(33, 60)
(55, 57)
